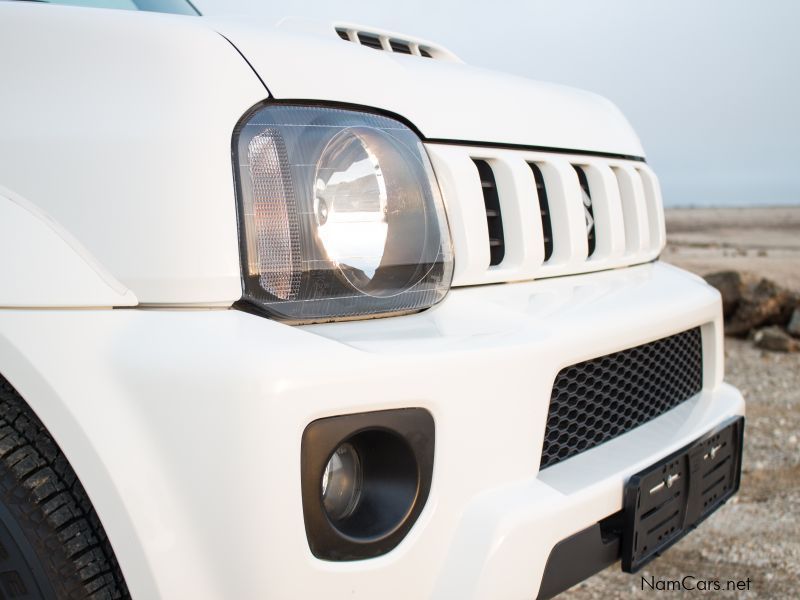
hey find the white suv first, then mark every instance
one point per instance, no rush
(318, 311)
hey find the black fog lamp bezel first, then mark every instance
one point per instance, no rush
(397, 448)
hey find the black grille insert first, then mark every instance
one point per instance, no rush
(494, 220)
(544, 211)
(587, 207)
(599, 399)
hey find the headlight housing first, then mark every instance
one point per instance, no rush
(340, 216)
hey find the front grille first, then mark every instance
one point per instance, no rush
(602, 398)
(563, 214)
(629, 185)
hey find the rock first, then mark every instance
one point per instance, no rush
(765, 303)
(792, 304)
(731, 286)
(776, 339)
(794, 323)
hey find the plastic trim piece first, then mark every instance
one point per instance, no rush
(580, 556)
(550, 149)
(415, 427)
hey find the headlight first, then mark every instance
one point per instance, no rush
(340, 215)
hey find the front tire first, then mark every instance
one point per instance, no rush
(52, 545)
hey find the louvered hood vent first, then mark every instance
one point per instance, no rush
(393, 42)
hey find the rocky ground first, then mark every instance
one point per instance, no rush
(757, 534)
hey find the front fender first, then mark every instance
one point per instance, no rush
(43, 266)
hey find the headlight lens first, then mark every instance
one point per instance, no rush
(340, 215)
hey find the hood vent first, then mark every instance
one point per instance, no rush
(370, 41)
(390, 42)
(401, 47)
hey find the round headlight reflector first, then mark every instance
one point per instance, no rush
(351, 205)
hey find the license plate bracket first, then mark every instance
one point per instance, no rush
(665, 501)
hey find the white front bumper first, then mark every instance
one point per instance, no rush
(185, 428)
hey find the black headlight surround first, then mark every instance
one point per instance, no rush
(397, 447)
(436, 268)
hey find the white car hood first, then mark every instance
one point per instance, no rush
(444, 100)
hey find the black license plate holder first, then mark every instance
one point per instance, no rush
(667, 500)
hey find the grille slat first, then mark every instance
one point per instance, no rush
(597, 400)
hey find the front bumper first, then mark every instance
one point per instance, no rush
(185, 428)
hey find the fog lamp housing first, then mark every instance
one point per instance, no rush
(365, 479)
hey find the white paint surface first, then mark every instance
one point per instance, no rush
(711, 87)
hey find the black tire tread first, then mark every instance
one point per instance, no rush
(41, 489)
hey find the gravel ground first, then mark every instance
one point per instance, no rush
(756, 535)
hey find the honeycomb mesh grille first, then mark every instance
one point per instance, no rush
(600, 399)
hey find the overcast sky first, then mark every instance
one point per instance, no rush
(711, 86)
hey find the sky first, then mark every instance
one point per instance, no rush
(711, 86)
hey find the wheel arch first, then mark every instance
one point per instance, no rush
(87, 462)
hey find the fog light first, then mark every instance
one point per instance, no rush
(341, 483)
(365, 478)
